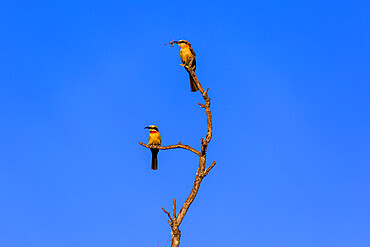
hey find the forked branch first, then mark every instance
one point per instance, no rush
(202, 172)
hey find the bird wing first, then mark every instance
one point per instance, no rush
(192, 51)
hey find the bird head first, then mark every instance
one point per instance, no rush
(152, 128)
(183, 43)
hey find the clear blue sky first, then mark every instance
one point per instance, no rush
(289, 83)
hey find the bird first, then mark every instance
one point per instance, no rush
(154, 139)
(187, 54)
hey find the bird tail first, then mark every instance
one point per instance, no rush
(154, 158)
(193, 85)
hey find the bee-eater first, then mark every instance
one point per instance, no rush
(187, 54)
(154, 139)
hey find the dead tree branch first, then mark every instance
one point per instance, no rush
(202, 172)
(169, 215)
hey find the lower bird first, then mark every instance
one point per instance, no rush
(154, 139)
(187, 54)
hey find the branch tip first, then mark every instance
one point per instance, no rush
(168, 214)
(174, 209)
(209, 169)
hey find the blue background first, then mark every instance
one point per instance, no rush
(289, 83)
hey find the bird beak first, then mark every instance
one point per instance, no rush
(146, 128)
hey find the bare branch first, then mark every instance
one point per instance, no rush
(209, 169)
(201, 171)
(169, 215)
(179, 145)
(174, 209)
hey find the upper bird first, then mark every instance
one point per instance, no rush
(154, 139)
(186, 55)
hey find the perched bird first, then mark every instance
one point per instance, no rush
(154, 139)
(186, 55)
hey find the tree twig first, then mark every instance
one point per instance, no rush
(169, 215)
(174, 209)
(209, 169)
